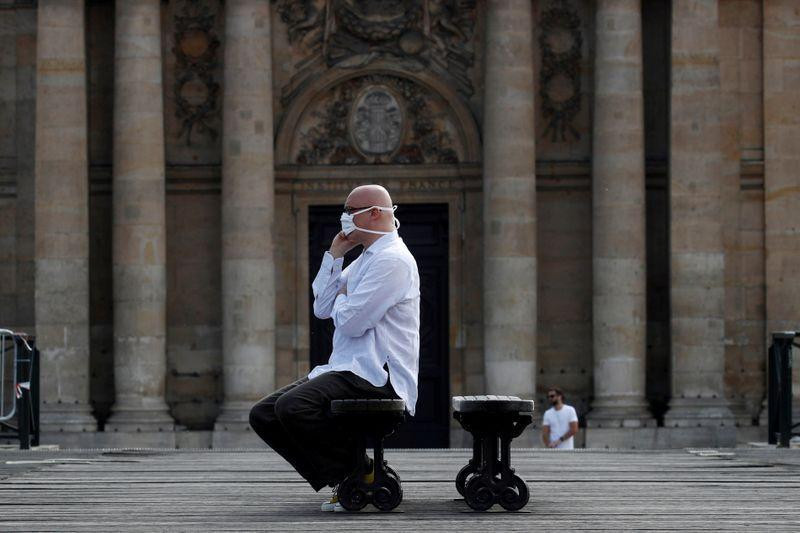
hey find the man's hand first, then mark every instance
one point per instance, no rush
(341, 245)
(553, 444)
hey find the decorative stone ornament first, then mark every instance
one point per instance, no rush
(435, 35)
(561, 46)
(196, 90)
(376, 121)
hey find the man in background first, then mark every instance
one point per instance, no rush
(560, 423)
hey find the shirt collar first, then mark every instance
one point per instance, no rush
(382, 242)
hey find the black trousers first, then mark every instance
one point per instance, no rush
(296, 422)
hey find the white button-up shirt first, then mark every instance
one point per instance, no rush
(377, 321)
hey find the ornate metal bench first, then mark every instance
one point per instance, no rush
(376, 419)
(487, 479)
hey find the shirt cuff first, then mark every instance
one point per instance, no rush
(339, 301)
(329, 262)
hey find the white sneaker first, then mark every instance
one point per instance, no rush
(331, 504)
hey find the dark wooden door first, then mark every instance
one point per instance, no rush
(425, 232)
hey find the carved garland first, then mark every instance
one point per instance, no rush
(196, 91)
(561, 44)
(417, 34)
(329, 142)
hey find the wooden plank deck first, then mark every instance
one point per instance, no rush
(254, 490)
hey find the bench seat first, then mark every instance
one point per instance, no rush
(491, 404)
(367, 406)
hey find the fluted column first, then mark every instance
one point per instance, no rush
(782, 173)
(248, 273)
(697, 259)
(62, 217)
(139, 255)
(509, 201)
(618, 199)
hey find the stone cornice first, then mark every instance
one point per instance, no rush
(551, 176)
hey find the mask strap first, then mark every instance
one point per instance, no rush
(396, 222)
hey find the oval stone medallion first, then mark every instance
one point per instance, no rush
(376, 121)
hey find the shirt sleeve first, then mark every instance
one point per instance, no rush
(326, 285)
(573, 415)
(546, 420)
(382, 286)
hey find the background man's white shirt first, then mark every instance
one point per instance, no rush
(377, 321)
(558, 420)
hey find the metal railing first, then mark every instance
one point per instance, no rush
(19, 388)
(779, 394)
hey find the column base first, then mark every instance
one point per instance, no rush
(741, 415)
(699, 412)
(234, 416)
(66, 418)
(617, 415)
(232, 427)
(140, 420)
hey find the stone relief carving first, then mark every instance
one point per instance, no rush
(376, 122)
(195, 90)
(377, 119)
(416, 34)
(561, 46)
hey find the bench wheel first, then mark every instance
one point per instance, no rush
(478, 494)
(351, 495)
(388, 495)
(515, 497)
(390, 472)
(463, 476)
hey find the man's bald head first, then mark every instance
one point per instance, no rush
(358, 201)
(369, 195)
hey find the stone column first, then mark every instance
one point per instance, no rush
(697, 258)
(781, 176)
(509, 201)
(139, 255)
(618, 220)
(248, 272)
(62, 217)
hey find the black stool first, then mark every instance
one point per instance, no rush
(376, 419)
(486, 480)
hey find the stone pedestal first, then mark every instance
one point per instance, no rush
(662, 438)
(62, 218)
(248, 272)
(697, 258)
(509, 201)
(618, 220)
(139, 255)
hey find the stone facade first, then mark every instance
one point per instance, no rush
(618, 177)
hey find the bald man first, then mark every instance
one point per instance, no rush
(374, 304)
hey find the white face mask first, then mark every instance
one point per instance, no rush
(348, 226)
